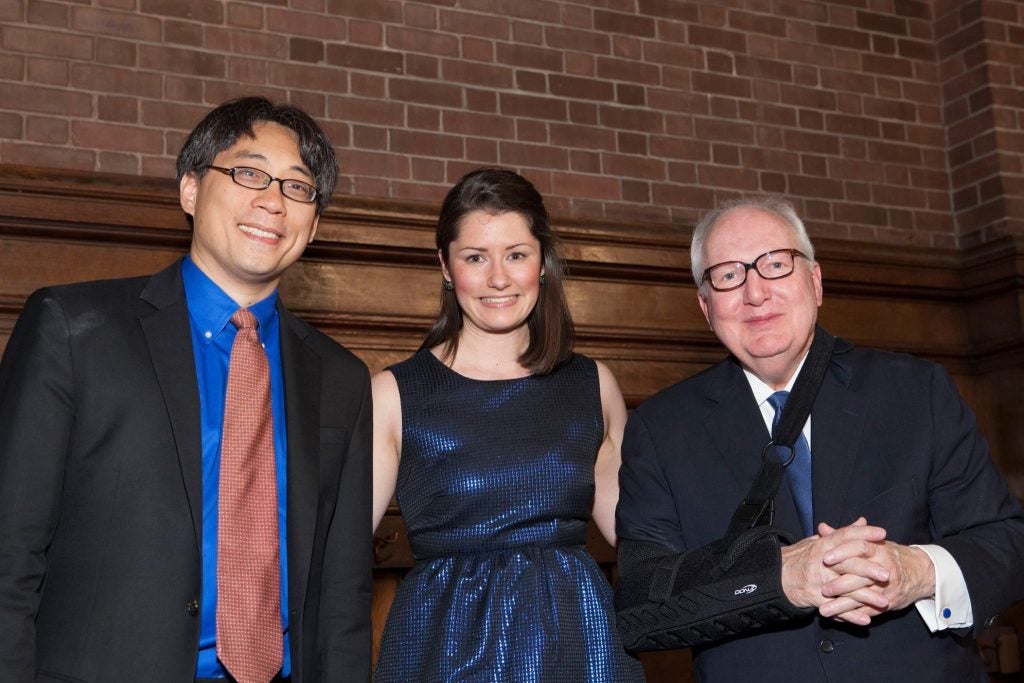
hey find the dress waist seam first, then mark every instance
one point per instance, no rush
(500, 551)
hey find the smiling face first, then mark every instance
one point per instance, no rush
(495, 265)
(767, 324)
(245, 239)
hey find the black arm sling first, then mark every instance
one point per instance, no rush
(733, 585)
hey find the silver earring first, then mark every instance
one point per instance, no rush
(449, 285)
(542, 279)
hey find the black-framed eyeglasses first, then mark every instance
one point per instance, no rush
(255, 179)
(771, 265)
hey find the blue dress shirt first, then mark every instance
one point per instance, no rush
(210, 311)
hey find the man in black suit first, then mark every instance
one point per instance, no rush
(112, 400)
(911, 541)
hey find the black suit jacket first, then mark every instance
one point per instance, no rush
(891, 440)
(100, 491)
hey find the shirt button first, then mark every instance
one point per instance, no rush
(207, 334)
(947, 613)
(192, 607)
(826, 646)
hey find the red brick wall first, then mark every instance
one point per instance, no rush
(981, 52)
(900, 121)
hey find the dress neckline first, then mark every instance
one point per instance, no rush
(474, 379)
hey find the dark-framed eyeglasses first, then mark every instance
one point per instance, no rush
(255, 179)
(771, 265)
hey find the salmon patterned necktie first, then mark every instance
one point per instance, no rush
(249, 638)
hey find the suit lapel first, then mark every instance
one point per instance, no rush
(731, 412)
(167, 331)
(735, 425)
(301, 368)
(837, 422)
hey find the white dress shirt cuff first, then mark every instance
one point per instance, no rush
(950, 607)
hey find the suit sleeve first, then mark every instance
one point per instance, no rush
(646, 521)
(646, 510)
(973, 514)
(36, 418)
(348, 563)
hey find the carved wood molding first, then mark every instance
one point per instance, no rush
(630, 284)
(371, 281)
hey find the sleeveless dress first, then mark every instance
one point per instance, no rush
(496, 486)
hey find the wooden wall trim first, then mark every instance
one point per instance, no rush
(371, 281)
(640, 272)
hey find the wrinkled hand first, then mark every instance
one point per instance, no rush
(911, 578)
(852, 571)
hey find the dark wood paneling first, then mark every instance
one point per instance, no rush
(371, 282)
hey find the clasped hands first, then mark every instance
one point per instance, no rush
(852, 573)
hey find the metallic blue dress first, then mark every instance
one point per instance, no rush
(496, 485)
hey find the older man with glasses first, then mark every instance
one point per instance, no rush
(909, 540)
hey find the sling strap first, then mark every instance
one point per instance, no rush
(758, 507)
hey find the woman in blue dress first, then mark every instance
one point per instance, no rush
(501, 444)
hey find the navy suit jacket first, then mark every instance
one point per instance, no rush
(891, 440)
(100, 491)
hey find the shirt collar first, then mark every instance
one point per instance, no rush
(211, 308)
(762, 391)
